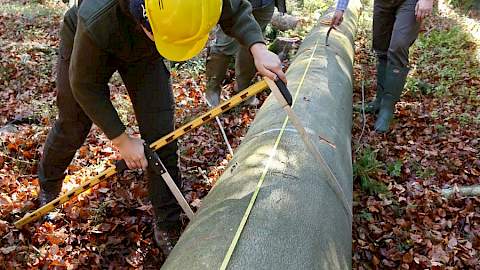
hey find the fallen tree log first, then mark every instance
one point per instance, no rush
(297, 221)
(464, 191)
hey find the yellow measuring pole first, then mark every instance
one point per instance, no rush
(211, 114)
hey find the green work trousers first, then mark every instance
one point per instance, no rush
(244, 63)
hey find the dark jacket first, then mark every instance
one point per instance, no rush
(280, 4)
(104, 36)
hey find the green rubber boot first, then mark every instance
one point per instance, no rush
(395, 78)
(216, 68)
(374, 106)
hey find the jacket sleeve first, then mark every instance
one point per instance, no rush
(237, 21)
(342, 5)
(90, 70)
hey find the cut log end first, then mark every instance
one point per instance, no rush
(284, 22)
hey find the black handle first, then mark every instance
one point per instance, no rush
(121, 166)
(328, 34)
(284, 90)
(153, 160)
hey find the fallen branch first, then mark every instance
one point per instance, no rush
(10, 127)
(464, 191)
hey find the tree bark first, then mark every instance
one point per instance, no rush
(297, 221)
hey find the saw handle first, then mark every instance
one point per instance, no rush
(121, 166)
(328, 34)
(284, 90)
(152, 158)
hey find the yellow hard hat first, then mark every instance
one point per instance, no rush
(181, 27)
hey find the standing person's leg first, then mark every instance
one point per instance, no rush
(383, 20)
(244, 64)
(218, 59)
(72, 124)
(148, 85)
(405, 32)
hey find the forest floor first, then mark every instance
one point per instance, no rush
(401, 220)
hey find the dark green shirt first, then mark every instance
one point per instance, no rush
(105, 37)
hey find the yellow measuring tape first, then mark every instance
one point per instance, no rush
(243, 222)
(223, 107)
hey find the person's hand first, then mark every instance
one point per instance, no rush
(267, 63)
(423, 9)
(131, 150)
(337, 18)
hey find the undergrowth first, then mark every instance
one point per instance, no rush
(365, 169)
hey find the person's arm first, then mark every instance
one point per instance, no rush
(89, 74)
(237, 21)
(339, 11)
(90, 70)
(342, 5)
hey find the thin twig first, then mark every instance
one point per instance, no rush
(202, 172)
(363, 108)
(224, 135)
(36, 249)
(364, 117)
(17, 160)
(222, 130)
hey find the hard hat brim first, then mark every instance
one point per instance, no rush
(180, 52)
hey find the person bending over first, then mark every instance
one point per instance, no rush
(133, 37)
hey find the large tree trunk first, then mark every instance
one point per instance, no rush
(297, 221)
